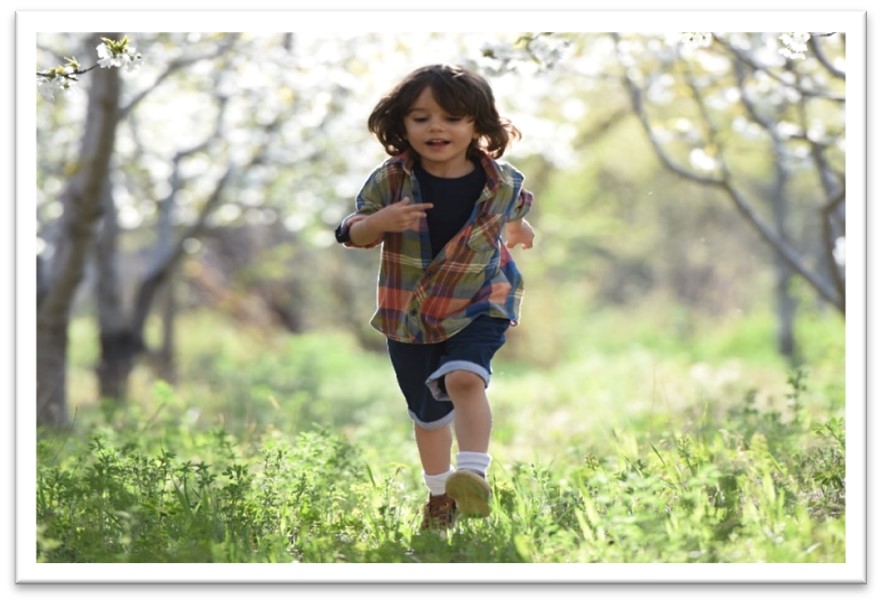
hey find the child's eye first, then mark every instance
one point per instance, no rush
(420, 119)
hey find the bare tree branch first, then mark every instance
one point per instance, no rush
(711, 131)
(827, 217)
(750, 62)
(833, 184)
(790, 255)
(176, 66)
(160, 271)
(816, 49)
(639, 108)
(768, 233)
(163, 268)
(603, 126)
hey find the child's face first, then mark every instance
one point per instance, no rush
(441, 140)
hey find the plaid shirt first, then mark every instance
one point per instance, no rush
(424, 299)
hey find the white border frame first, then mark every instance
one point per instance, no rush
(854, 570)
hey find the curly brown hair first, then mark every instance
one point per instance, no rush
(459, 91)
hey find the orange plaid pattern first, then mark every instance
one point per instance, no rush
(424, 299)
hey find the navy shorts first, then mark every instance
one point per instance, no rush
(420, 368)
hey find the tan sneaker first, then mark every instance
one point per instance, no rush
(439, 513)
(470, 491)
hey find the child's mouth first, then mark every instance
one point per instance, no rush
(437, 143)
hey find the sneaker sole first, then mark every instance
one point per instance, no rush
(471, 492)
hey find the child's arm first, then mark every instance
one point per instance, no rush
(519, 231)
(394, 218)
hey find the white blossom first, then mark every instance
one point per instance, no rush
(127, 57)
(794, 44)
(702, 160)
(696, 39)
(57, 79)
(839, 251)
(46, 88)
(105, 56)
(132, 60)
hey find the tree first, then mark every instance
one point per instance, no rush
(81, 201)
(121, 330)
(254, 117)
(739, 88)
(754, 119)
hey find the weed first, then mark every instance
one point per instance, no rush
(288, 461)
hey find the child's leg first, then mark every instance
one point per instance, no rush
(462, 378)
(439, 513)
(432, 427)
(432, 418)
(473, 420)
(434, 448)
(472, 423)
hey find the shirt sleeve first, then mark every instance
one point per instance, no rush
(520, 206)
(371, 198)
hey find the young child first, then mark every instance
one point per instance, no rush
(448, 289)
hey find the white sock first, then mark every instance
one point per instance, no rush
(474, 461)
(436, 482)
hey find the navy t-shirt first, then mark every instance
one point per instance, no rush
(453, 198)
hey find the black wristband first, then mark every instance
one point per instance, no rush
(342, 232)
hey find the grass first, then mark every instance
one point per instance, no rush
(281, 449)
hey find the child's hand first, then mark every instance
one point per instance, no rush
(519, 232)
(400, 216)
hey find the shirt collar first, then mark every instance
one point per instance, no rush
(406, 160)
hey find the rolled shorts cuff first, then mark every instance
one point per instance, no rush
(438, 423)
(434, 381)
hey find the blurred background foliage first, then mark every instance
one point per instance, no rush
(690, 200)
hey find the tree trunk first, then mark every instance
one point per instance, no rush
(81, 200)
(118, 344)
(165, 365)
(785, 303)
(119, 351)
(165, 245)
(51, 374)
(786, 310)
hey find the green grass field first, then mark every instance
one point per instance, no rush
(635, 444)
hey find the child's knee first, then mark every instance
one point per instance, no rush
(463, 384)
